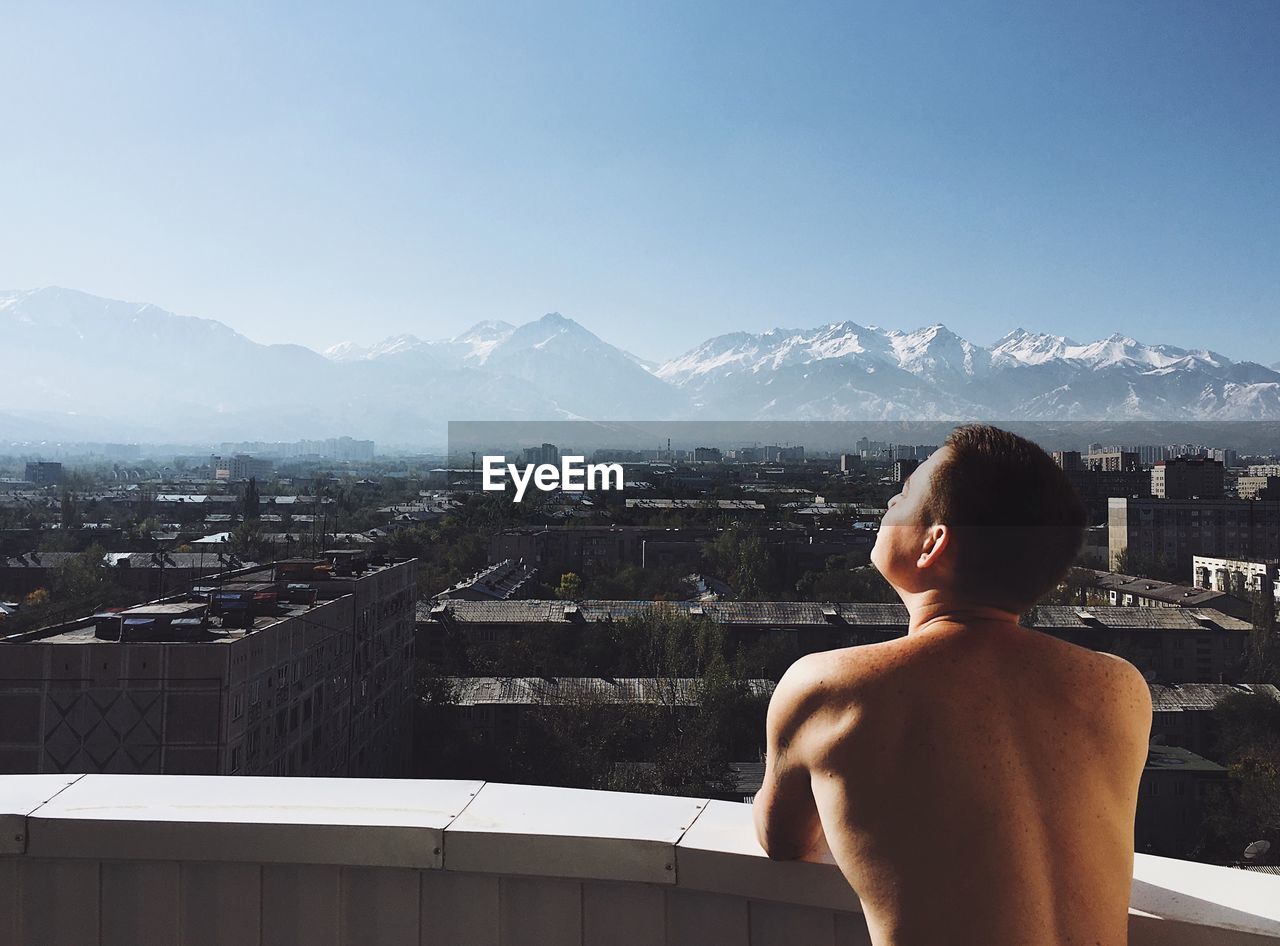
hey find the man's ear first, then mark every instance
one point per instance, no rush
(936, 540)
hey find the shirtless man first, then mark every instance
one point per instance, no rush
(976, 781)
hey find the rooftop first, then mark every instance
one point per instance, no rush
(812, 614)
(1176, 757)
(1182, 697)
(241, 602)
(1168, 592)
(544, 691)
(1155, 619)
(741, 505)
(766, 613)
(500, 581)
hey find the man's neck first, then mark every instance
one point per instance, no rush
(933, 609)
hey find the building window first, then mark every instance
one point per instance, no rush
(237, 704)
(235, 759)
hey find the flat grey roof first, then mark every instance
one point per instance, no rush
(1184, 697)
(817, 614)
(1176, 758)
(543, 691)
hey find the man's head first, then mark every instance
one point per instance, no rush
(988, 519)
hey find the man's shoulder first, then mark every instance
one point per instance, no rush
(1107, 671)
(1105, 688)
(1126, 681)
(832, 671)
(812, 701)
(834, 678)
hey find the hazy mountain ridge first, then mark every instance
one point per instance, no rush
(130, 370)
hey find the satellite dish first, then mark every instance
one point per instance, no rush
(1257, 849)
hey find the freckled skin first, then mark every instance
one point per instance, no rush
(975, 781)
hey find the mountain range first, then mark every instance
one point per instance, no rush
(78, 367)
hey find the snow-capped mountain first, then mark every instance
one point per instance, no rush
(81, 366)
(350, 351)
(848, 371)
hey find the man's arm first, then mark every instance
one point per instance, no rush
(786, 816)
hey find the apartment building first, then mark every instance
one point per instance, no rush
(1237, 576)
(1188, 478)
(302, 667)
(1177, 530)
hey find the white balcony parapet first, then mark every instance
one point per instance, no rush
(137, 859)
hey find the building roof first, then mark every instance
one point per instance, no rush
(1119, 617)
(249, 578)
(1168, 592)
(211, 560)
(1226, 561)
(499, 582)
(1189, 697)
(762, 613)
(816, 614)
(1170, 758)
(195, 499)
(37, 559)
(543, 691)
(740, 505)
(167, 607)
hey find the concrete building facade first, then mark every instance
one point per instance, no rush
(296, 668)
(1188, 478)
(1235, 576)
(1176, 530)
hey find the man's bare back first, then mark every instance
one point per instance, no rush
(976, 784)
(976, 781)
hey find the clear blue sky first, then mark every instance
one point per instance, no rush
(661, 172)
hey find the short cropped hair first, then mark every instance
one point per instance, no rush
(1016, 520)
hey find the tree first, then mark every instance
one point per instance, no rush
(740, 560)
(1072, 590)
(1132, 562)
(1262, 663)
(1248, 743)
(570, 587)
(70, 515)
(841, 581)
